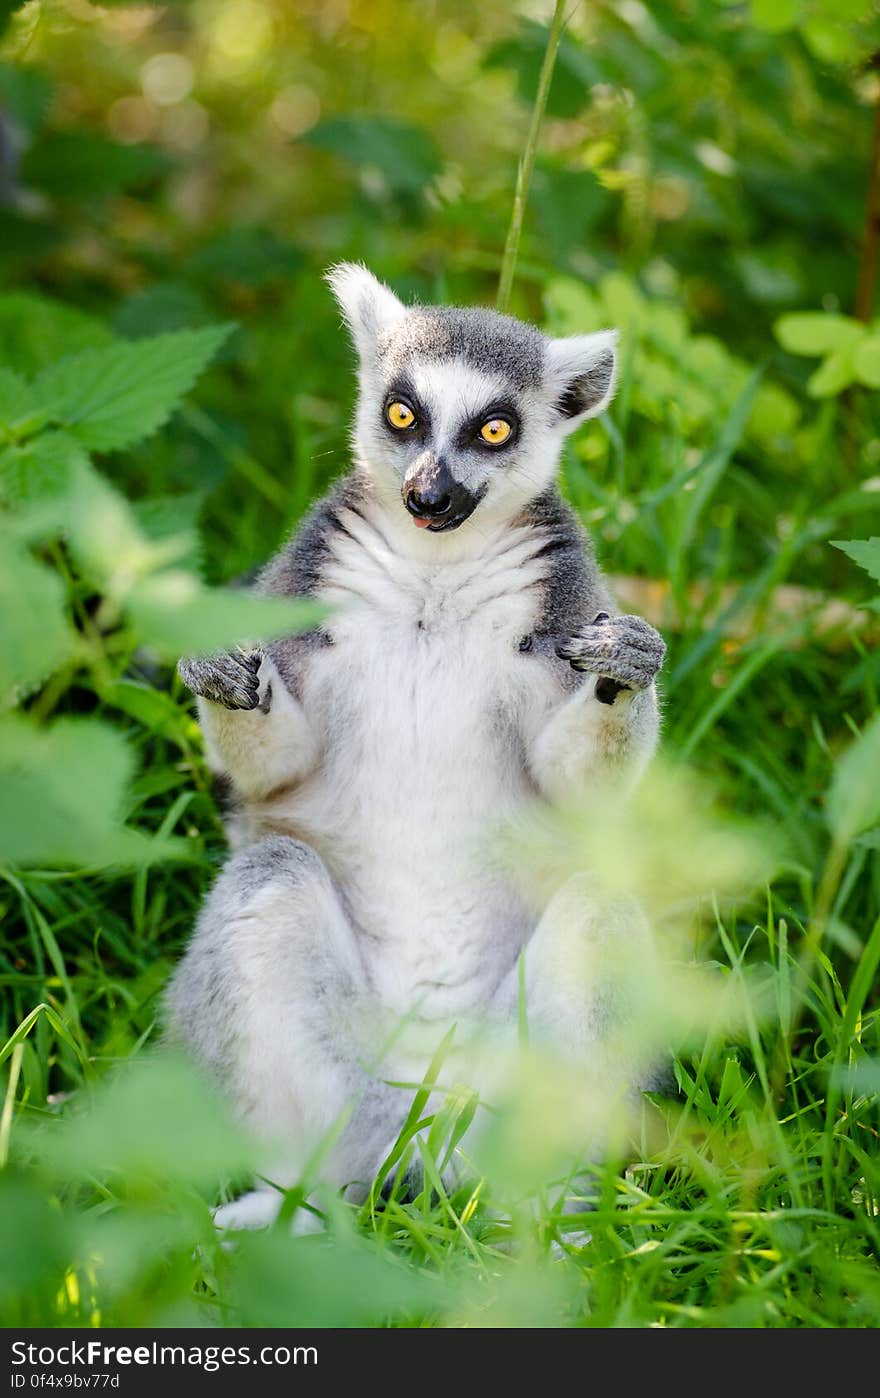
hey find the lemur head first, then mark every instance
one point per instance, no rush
(460, 409)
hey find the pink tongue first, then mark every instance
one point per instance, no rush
(420, 523)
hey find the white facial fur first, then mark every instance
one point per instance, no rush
(550, 387)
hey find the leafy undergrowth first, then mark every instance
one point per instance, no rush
(747, 1194)
(742, 445)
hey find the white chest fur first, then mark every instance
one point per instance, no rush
(419, 705)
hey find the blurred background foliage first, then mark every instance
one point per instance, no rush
(707, 181)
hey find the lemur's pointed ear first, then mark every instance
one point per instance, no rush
(368, 305)
(580, 371)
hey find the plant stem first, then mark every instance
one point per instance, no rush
(867, 284)
(527, 161)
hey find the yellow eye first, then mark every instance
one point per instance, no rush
(399, 415)
(495, 431)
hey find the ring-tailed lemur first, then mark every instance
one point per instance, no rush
(472, 664)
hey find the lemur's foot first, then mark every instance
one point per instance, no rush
(624, 651)
(229, 678)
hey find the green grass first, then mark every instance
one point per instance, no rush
(748, 1198)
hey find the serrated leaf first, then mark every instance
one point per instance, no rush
(35, 637)
(816, 332)
(854, 798)
(865, 552)
(109, 398)
(176, 614)
(64, 790)
(16, 398)
(866, 361)
(41, 470)
(833, 375)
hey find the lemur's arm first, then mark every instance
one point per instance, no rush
(611, 722)
(256, 732)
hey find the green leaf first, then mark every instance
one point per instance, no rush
(64, 791)
(405, 156)
(35, 637)
(865, 552)
(156, 1119)
(854, 798)
(84, 165)
(866, 361)
(24, 92)
(175, 613)
(816, 332)
(833, 375)
(575, 71)
(37, 1240)
(775, 16)
(112, 397)
(106, 539)
(16, 398)
(34, 331)
(341, 1281)
(43, 469)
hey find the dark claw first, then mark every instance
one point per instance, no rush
(625, 652)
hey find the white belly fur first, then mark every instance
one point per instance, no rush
(418, 705)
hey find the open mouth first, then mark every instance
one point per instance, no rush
(437, 526)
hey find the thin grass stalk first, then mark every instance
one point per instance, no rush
(527, 161)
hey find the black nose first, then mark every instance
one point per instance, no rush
(433, 495)
(428, 503)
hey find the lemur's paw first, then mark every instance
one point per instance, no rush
(624, 651)
(229, 678)
(257, 1209)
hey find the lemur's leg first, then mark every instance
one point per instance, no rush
(589, 969)
(256, 732)
(267, 998)
(611, 722)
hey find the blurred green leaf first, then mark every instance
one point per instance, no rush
(109, 398)
(160, 307)
(64, 790)
(775, 16)
(251, 256)
(82, 164)
(35, 331)
(834, 374)
(574, 74)
(866, 361)
(816, 332)
(35, 637)
(854, 798)
(175, 613)
(406, 156)
(37, 1241)
(325, 1282)
(25, 92)
(16, 398)
(157, 1119)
